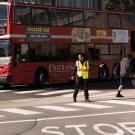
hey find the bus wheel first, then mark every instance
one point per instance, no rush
(103, 72)
(116, 71)
(40, 77)
(6, 86)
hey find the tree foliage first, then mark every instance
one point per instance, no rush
(128, 5)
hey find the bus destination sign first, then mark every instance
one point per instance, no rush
(38, 33)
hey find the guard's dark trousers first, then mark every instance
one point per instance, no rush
(79, 82)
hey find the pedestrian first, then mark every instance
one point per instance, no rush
(126, 68)
(81, 76)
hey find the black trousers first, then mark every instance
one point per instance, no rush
(79, 82)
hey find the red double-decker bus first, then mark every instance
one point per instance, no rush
(39, 43)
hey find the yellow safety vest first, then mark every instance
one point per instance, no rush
(82, 70)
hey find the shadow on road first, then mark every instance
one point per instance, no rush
(105, 85)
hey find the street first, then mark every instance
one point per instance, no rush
(51, 111)
(48, 48)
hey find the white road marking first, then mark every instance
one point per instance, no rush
(105, 94)
(20, 111)
(90, 105)
(27, 92)
(57, 108)
(68, 117)
(121, 102)
(2, 91)
(2, 116)
(80, 93)
(54, 92)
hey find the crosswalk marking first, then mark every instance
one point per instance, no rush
(57, 108)
(27, 92)
(119, 102)
(105, 94)
(90, 105)
(55, 92)
(20, 111)
(80, 93)
(69, 107)
(2, 91)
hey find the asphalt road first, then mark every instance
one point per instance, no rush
(30, 92)
(51, 111)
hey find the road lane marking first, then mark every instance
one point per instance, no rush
(67, 117)
(2, 91)
(121, 102)
(20, 111)
(105, 94)
(80, 93)
(28, 92)
(90, 105)
(55, 92)
(57, 108)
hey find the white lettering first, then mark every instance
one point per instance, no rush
(77, 128)
(60, 68)
(49, 130)
(129, 126)
(97, 127)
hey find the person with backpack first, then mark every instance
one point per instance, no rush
(126, 68)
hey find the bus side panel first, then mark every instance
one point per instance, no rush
(24, 73)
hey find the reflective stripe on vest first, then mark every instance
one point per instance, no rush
(82, 70)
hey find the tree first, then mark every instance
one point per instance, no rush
(128, 5)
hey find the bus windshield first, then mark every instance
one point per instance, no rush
(5, 48)
(5, 52)
(3, 15)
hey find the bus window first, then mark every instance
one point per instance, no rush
(92, 19)
(76, 49)
(128, 21)
(40, 16)
(17, 53)
(76, 18)
(24, 52)
(114, 20)
(23, 15)
(3, 15)
(116, 49)
(21, 53)
(5, 48)
(132, 42)
(59, 17)
(49, 52)
(104, 49)
(5, 52)
(62, 52)
(94, 53)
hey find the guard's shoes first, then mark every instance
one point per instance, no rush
(119, 95)
(87, 100)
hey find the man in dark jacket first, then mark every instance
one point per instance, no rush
(126, 68)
